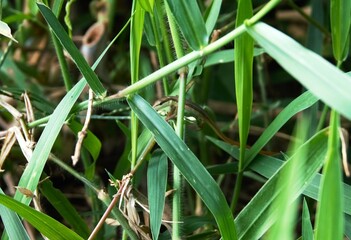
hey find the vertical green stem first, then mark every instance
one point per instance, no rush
(63, 63)
(0, 9)
(177, 180)
(136, 28)
(165, 35)
(159, 53)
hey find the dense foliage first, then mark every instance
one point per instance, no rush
(185, 119)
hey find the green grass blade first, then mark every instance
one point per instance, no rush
(340, 22)
(186, 162)
(46, 225)
(267, 166)
(287, 212)
(136, 34)
(243, 76)
(255, 219)
(330, 217)
(302, 102)
(57, 6)
(12, 223)
(32, 173)
(59, 201)
(244, 46)
(319, 76)
(212, 16)
(147, 5)
(307, 230)
(189, 19)
(156, 185)
(77, 57)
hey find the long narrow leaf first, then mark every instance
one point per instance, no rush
(255, 219)
(213, 14)
(12, 223)
(186, 162)
(267, 166)
(32, 173)
(330, 217)
(319, 76)
(287, 212)
(156, 185)
(188, 16)
(307, 230)
(340, 20)
(77, 57)
(244, 47)
(46, 225)
(302, 102)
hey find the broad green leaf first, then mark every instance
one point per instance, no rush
(156, 185)
(244, 46)
(5, 30)
(12, 223)
(300, 103)
(77, 57)
(189, 19)
(46, 225)
(91, 142)
(255, 219)
(60, 202)
(147, 5)
(226, 56)
(212, 16)
(186, 162)
(307, 230)
(318, 75)
(329, 217)
(340, 22)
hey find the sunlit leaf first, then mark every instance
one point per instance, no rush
(5, 30)
(147, 5)
(318, 75)
(330, 218)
